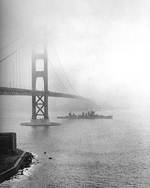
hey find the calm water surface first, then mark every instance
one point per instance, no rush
(85, 153)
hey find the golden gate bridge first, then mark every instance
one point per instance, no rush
(11, 66)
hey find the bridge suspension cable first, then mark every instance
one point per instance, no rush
(57, 75)
(64, 72)
(13, 68)
(8, 56)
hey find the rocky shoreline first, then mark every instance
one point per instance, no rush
(11, 163)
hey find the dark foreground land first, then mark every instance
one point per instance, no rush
(12, 162)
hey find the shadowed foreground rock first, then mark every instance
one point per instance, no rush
(11, 158)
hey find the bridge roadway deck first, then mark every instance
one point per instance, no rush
(29, 92)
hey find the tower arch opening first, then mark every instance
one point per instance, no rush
(40, 84)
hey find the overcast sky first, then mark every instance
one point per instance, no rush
(103, 45)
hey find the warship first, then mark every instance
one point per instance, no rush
(85, 115)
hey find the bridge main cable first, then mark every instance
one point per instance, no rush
(6, 57)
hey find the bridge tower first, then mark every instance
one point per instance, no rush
(40, 102)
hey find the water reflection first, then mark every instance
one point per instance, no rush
(39, 132)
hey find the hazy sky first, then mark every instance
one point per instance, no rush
(103, 45)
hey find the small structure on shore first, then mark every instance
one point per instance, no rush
(7, 143)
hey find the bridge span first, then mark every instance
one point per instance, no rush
(29, 92)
